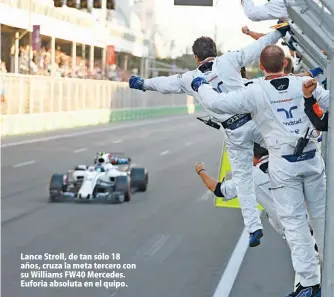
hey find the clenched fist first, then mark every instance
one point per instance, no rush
(309, 87)
(199, 166)
(245, 30)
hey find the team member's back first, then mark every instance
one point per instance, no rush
(283, 101)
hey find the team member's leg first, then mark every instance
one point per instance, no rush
(315, 195)
(241, 160)
(290, 206)
(277, 226)
(264, 197)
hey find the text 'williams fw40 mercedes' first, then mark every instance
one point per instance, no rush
(111, 179)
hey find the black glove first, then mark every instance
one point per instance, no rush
(283, 30)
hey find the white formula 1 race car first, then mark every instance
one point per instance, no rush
(112, 179)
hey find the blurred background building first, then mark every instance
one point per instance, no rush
(110, 39)
(76, 38)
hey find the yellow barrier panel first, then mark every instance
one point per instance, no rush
(278, 26)
(225, 167)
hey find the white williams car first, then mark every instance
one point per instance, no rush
(111, 179)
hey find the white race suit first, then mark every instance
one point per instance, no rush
(297, 181)
(223, 72)
(272, 10)
(228, 190)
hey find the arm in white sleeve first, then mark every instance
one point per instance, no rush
(236, 102)
(322, 97)
(164, 84)
(252, 52)
(228, 189)
(272, 10)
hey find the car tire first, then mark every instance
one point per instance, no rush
(122, 184)
(139, 179)
(56, 188)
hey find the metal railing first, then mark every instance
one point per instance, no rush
(27, 94)
(312, 24)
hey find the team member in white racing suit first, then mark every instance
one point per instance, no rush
(227, 188)
(297, 175)
(223, 73)
(272, 10)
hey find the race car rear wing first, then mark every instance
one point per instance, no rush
(112, 153)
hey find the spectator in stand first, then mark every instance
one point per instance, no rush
(3, 68)
(2, 90)
(39, 63)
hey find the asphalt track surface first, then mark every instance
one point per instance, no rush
(180, 243)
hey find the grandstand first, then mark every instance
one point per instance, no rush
(42, 46)
(81, 39)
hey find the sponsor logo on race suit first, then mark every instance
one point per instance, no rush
(234, 118)
(305, 293)
(292, 123)
(288, 113)
(281, 101)
(281, 87)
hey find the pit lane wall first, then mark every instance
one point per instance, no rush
(32, 104)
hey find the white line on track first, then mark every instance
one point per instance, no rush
(230, 274)
(90, 131)
(227, 280)
(157, 245)
(206, 196)
(118, 141)
(24, 164)
(164, 153)
(150, 248)
(80, 150)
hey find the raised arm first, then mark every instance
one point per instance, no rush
(236, 102)
(312, 91)
(322, 96)
(318, 118)
(163, 84)
(226, 189)
(311, 72)
(252, 52)
(254, 35)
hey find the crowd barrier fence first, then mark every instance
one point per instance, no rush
(28, 99)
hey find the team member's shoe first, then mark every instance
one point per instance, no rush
(314, 291)
(255, 238)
